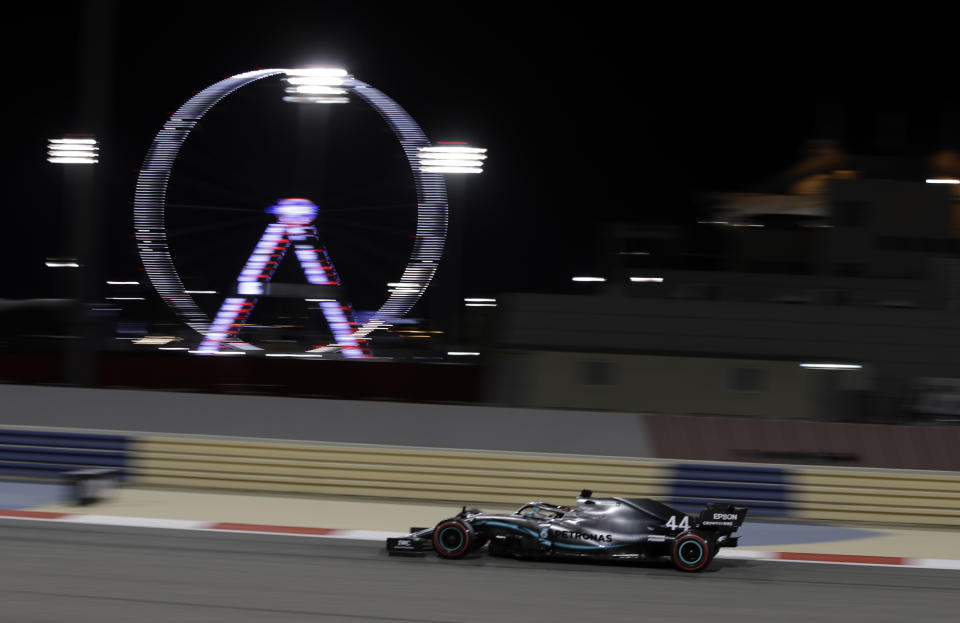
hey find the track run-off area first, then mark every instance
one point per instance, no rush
(75, 572)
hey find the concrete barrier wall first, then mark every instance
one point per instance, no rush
(831, 444)
(658, 383)
(485, 477)
(471, 477)
(502, 429)
(388, 472)
(877, 495)
(366, 422)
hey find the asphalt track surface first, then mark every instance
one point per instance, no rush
(55, 573)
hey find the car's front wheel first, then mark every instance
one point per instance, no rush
(692, 552)
(453, 538)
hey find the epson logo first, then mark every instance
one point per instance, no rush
(725, 516)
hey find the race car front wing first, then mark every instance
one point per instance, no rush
(417, 543)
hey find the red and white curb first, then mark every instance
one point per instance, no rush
(840, 559)
(379, 535)
(189, 524)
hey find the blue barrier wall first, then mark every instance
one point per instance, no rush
(48, 455)
(765, 490)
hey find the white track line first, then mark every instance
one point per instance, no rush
(135, 522)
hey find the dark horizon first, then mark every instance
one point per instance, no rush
(589, 118)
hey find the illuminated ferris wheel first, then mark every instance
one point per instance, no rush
(293, 228)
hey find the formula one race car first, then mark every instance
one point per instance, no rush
(597, 529)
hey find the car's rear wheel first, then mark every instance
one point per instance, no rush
(453, 538)
(692, 552)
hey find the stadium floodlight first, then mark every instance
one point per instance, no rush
(452, 158)
(73, 150)
(316, 85)
(943, 180)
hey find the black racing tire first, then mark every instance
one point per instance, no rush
(453, 538)
(692, 552)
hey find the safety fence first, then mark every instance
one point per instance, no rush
(477, 477)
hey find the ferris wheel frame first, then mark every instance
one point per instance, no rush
(154, 177)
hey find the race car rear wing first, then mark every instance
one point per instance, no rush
(721, 517)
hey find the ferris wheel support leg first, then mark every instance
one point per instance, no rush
(233, 314)
(339, 314)
(257, 271)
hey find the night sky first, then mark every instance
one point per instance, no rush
(590, 116)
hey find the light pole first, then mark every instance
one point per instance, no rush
(456, 159)
(76, 153)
